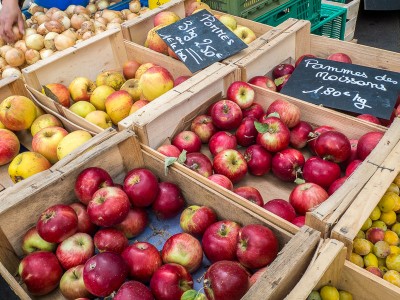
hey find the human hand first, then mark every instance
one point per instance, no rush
(10, 15)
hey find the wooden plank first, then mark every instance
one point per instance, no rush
(350, 223)
(350, 28)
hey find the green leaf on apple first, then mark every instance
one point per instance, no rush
(260, 127)
(299, 181)
(182, 157)
(50, 94)
(279, 80)
(168, 161)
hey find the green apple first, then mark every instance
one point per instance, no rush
(82, 108)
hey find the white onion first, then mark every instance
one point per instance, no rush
(3, 63)
(54, 26)
(125, 12)
(131, 16)
(45, 53)
(4, 49)
(42, 29)
(91, 8)
(51, 11)
(59, 15)
(2, 42)
(30, 31)
(70, 10)
(71, 33)
(15, 57)
(87, 26)
(40, 18)
(32, 56)
(110, 14)
(134, 6)
(8, 72)
(17, 34)
(77, 20)
(143, 10)
(33, 8)
(49, 40)
(117, 20)
(101, 20)
(62, 42)
(79, 9)
(103, 4)
(113, 26)
(35, 41)
(21, 45)
(87, 35)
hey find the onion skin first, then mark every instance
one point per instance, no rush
(15, 57)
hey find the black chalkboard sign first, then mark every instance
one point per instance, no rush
(348, 87)
(201, 40)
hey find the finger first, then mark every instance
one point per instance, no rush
(8, 30)
(21, 24)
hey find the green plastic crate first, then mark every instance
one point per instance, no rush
(297, 9)
(249, 9)
(332, 23)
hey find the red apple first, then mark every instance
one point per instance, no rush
(32, 242)
(281, 208)
(298, 61)
(264, 82)
(57, 223)
(109, 206)
(333, 146)
(230, 163)
(141, 186)
(110, 239)
(257, 246)
(143, 259)
(320, 171)
(129, 69)
(220, 141)
(187, 140)
(375, 234)
(273, 134)
(307, 196)
(281, 70)
(183, 249)
(170, 281)
(367, 143)
(133, 290)
(241, 93)
(226, 115)
(288, 112)
(169, 150)
(352, 166)
(199, 163)
(90, 180)
(216, 285)
(180, 79)
(220, 239)
(255, 111)
(246, 133)
(169, 201)
(341, 57)
(134, 223)
(287, 164)
(336, 184)
(84, 224)
(75, 250)
(315, 134)
(281, 81)
(104, 273)
(258, 160)
(299, 221)
(9, 146)
(299, 135)
(369, 118)
(72, 285)
(41, 272)
(203, 126)
(222, 180)
(196, 219)
(60, 91)
(353, 152)
(250, 193)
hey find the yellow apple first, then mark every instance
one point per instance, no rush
(82, 108)
(100, 95)
(72, 141)
(245, 34)
(46, 141)
(17, 112)
(27, 164)
(99, 118)
(155, 42)
(228, 21)
(132, 87)
(81, 88)
(143, 68)
(2, 126)
(118, 105)
(155, 82)
(9, 146)
(110, 78)
(43, 121)
(39, 111)
(138, 105)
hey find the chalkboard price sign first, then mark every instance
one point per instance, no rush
(201, 40)
(348, 87)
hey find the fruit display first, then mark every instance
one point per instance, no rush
(328, 292)
(376, 247)
(51, 30)
(240, 144)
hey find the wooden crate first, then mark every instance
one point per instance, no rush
(136, 30)
(155, 126)
(350, 223)
(351, 16)
(118, 155)
(331, 268)
(14, 86)
(105, 51)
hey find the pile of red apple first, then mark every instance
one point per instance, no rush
(243, 137)
(282, 72)
(84, 247)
